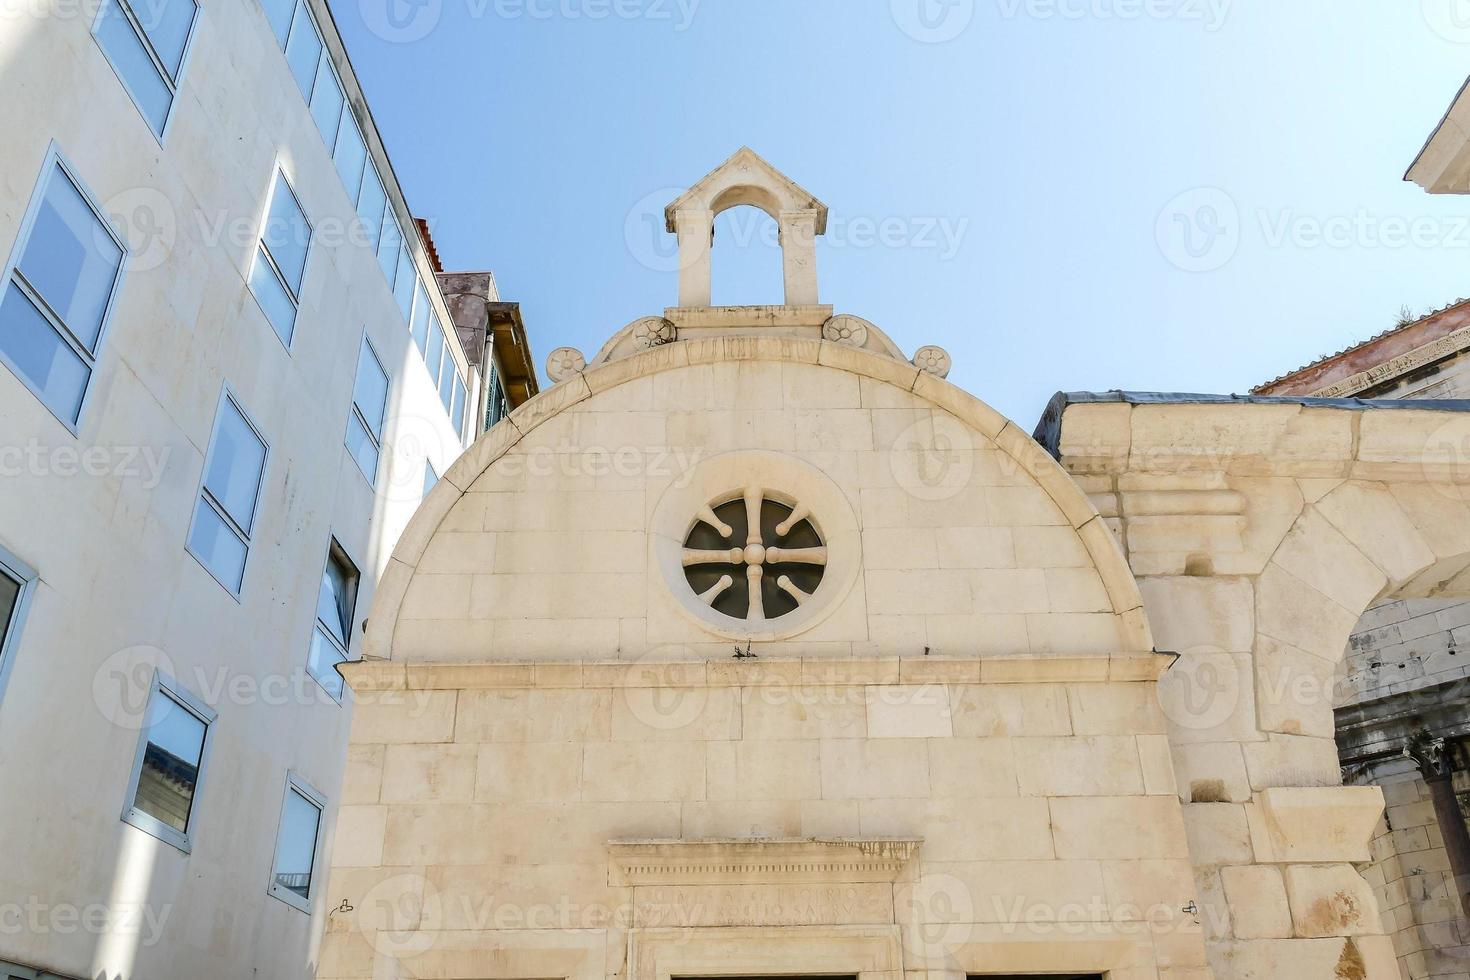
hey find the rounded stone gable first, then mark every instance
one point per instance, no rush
(802, 498)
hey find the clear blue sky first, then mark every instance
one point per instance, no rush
(1004, 175)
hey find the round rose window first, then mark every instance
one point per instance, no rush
(753, 558)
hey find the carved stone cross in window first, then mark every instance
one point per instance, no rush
(774, 546)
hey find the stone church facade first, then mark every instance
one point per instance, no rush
(752, 647)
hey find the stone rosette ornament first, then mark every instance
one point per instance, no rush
(563, 363)
(652, 331)
(845, 329)
(933, 360)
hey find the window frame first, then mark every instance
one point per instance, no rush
(334, 546)
(173, 85)
(353, 411)
(17, 571)
(163, 685)
(228, 394)
(259, 246)
(55, 161)
(297, 784)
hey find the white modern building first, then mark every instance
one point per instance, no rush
(228, 376)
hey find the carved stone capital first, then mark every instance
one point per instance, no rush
(1429, 756)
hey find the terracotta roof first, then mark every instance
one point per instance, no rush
(428, 240)
(1351, 367)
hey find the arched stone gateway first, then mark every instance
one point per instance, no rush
(751, 648)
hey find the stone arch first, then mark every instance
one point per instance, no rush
(1124, 598)
(747, 179)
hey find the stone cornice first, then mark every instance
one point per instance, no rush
(640, 863)
(366, 676)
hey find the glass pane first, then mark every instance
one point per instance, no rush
(447, 374)
(297, 845)
(362, 448)
(279, 308)
(71, 260)
(389, 244)
(238, 457)
(303, 50)
(9, 597)
(326, 103)
(404, 282)
(457, 411)
(370, 204)
(419, 325)
(334, 601)
(170, 771)
(350, 155)
(371, 393)
(166, 22)
(286, 234)
(322, 661)
(38, 354)
(436, 349)
(430, 477)
(128, 55)
(215, 543)
(279, 12)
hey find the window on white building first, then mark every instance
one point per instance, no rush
(58, 293)
(280, 259)
(145, 43)
(17, 580)
(369, 402)
(294, 867)
(224, 516)
(170, 764)
(331, 636)
(430, 477)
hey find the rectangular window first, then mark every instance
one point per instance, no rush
(145, 43)
(170, 764)
(293, 870)
(350, 156)
(497, 406)
(456, 413)
(430, 477)
(447, 375)
(369, 401)
(280, 259)
(418, 327)
(17, 580)
(224, 516)
(279, 12)
(58, 293)
(389, 245)
(404, 282)
(331, 637)
(326, 103)
(436, 351)
(371, 202)
(303, 50)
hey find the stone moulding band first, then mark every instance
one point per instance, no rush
(382, 675)
(768, 861)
